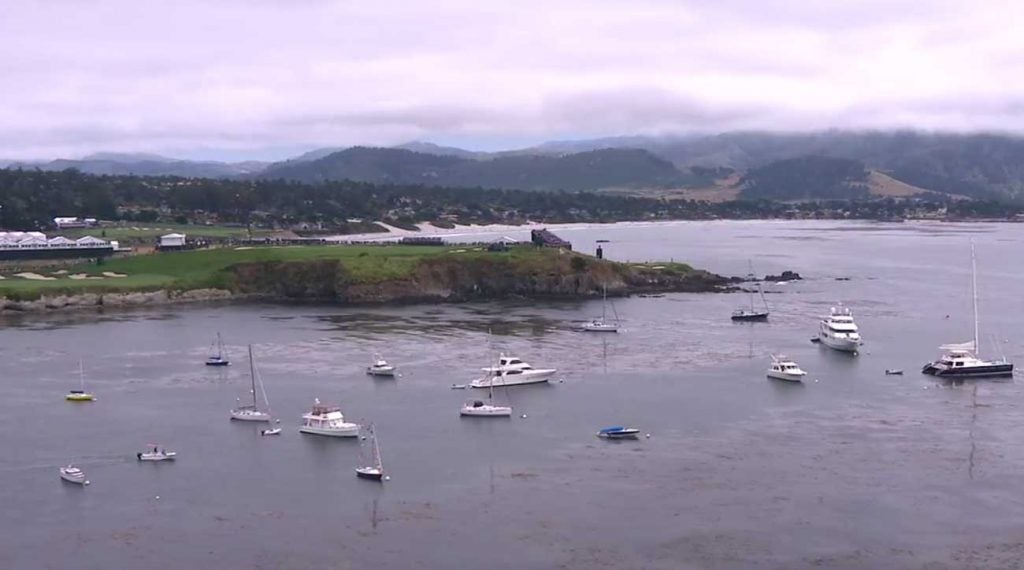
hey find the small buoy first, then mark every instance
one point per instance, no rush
(815, 380)
(277, 421)
(648, 436)
(387, 477)
(523, 416)
(926, 387)
(158, 497)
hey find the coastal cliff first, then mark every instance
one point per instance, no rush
(358, 276)
(454, 279)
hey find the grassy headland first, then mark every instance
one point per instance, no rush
(362, 274)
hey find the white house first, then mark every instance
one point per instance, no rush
(172, 241)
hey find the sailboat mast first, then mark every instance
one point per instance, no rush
(604, 305)
(252, 376)
(376, 449)
(81, 374)
(974, 293)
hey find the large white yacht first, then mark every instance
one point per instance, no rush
(512, 371)
(327, 420)
(838, 330)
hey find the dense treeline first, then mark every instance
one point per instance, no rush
(30, 199)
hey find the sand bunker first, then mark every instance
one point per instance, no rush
(34, 276)
(112, 274)
(84, 276)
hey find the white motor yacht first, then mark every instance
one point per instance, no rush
(328, 421)
(73, 474)
(838, 331)
(783, 368)
(380, 367)
(512, 371)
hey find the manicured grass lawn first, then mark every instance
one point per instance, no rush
(150, 231)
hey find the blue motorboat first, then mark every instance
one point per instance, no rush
(618, 432)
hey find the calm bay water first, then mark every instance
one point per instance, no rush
(854, 469)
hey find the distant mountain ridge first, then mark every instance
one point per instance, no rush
(606, 168)
(989, 166)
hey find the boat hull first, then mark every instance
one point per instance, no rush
(217, 363)
(249, 416)
(273, 431)
(332, 432)
(750, 317)
(370, 473)
(536, 377)
(626, 434)
(385, 372)
(79, 397)
(840, 344)
(995, 370)
(786, 377)
(595, 327)
(486, 411)
(169, 456)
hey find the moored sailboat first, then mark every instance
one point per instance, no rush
(80, 395)
(374, 468)
(220, 358)
(961, 360)
(251, 412)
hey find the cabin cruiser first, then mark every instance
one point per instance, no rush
(73, 474)
(618, 432)
(838, 331)
(328, 421)
(512, 371)
(380, 367)
(960, 361)
(782, 368)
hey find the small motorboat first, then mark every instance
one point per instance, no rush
(156, 455)
(618, 432)
(482, 409)
(328, 421)
(73, 474)
(271, 431)
(894, 372)
(782, 368)
(380, 367)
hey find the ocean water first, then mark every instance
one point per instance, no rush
(852, 469)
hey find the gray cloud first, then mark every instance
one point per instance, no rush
(194, 76)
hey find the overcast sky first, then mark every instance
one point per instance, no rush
(270, 78)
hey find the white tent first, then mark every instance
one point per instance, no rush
(89, 241)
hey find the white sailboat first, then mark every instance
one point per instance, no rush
(602, 324)
(961, 360)
(375, 469)
(221, 357)
(488, 409)
(80, 395)
(251, 412)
